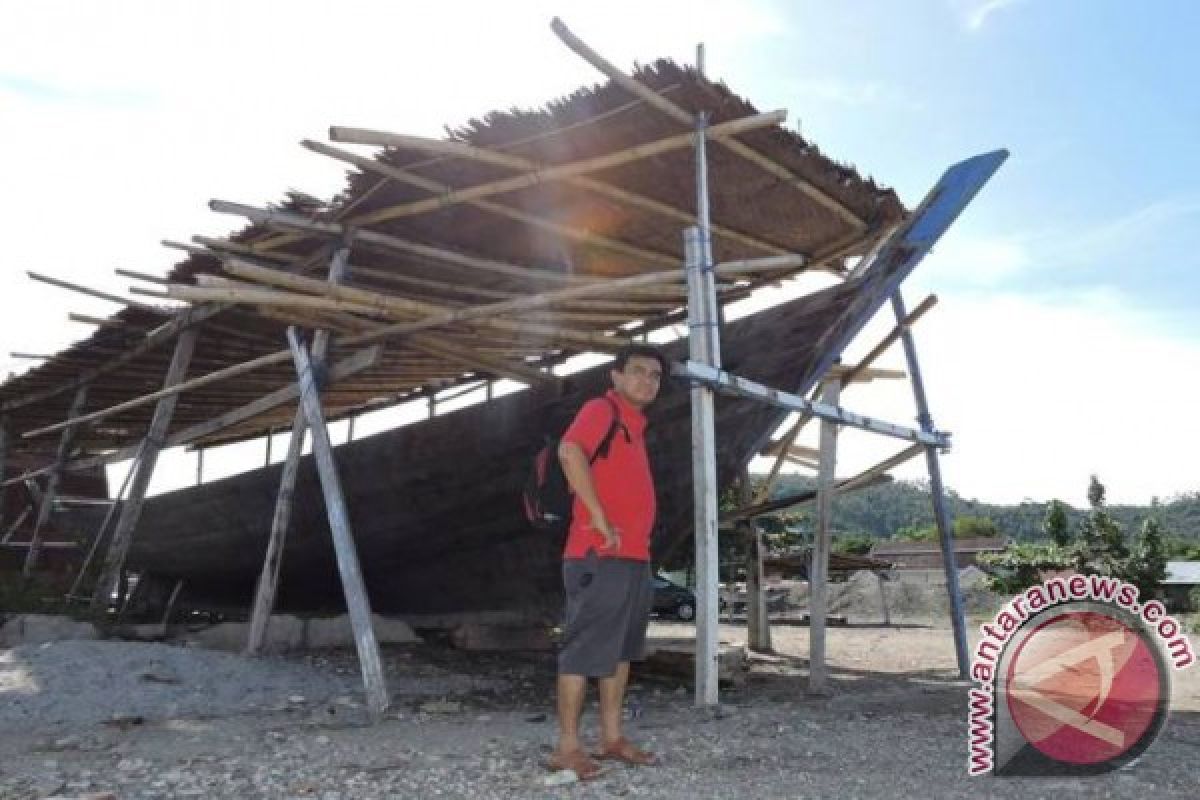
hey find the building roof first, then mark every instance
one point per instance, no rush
(979, 545)
(1183, 572)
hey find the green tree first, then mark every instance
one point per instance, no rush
(858, 544)
(1054, 525)
(1147, 566)
(974, 527)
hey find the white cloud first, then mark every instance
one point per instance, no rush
(963, 260)
(1039, 393)
(974, 13)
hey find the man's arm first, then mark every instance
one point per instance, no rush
(579, 476)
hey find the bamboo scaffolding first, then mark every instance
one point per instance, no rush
(363, 359)
(566, 231)
(654, 99)
(182, 320)
(514, 162)
(558, 171)
(295, 221)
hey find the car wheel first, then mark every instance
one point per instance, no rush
(685, 611)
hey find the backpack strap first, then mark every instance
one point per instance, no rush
(606, 442)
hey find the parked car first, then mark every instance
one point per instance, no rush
(671, 598)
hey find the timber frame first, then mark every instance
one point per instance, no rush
(522, 240)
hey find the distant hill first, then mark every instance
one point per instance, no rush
(881, 511)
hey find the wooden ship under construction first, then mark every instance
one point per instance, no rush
(522, 239)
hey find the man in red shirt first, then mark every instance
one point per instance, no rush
(606, 562)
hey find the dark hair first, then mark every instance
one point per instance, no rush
(643, 350)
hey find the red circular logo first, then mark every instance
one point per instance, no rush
(1085, 688)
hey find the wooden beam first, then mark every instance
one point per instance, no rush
(560, 171)
(51, 493)
(818, 573)
(357, 602)
(131, 511)
(758, 626)
(268, 579)
(508, 212)
(141, 276)
(687, 119)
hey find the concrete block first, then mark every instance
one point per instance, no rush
(39, 628)
(284, 633)
(338, 632)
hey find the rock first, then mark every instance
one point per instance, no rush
(284, 633)
(563, 777)
(441, 707)
(44, 628)
(329, 632)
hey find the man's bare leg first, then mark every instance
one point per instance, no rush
(571, 691)
(612, 697)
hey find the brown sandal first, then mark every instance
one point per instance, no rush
(577, 761)
(624, 750)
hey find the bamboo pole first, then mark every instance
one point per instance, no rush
(51, 494)
(678, 114)
(255, 272)
(508, 212)
(357, 602)
(561, 171)
(482, 155)
(112, 298)
(131, 511)
(440, 254)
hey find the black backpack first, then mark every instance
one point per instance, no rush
(547, 497)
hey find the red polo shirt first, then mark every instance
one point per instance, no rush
(624, 484)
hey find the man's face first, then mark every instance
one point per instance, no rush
(639, 381)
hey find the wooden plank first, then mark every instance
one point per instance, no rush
(51, 494)
(143, 470)
(818, 574)
(758, 626)
(357, 602)
(268, 579)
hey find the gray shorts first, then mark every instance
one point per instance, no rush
(608, 609)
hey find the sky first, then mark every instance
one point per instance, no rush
(1066, 338)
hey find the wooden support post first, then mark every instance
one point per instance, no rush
(270, 436)
(166, 617)
(131, 510)
(199, 465)
(704, 478)
(758, 627)
(818, 573)
(52, 484)
(117, 502)
(941, 512)
(357, 602)
(350, 430)
(268, 579)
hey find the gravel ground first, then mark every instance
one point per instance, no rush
(480, 726)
